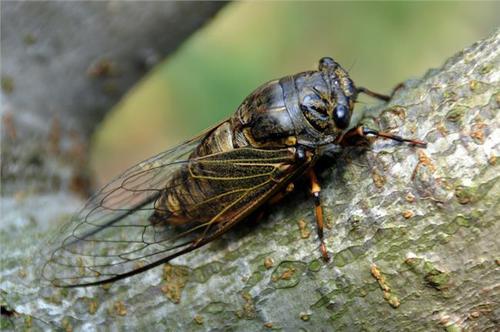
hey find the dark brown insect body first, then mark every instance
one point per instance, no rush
(294, 112)
(186, 197)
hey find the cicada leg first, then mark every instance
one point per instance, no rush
(364, 132)
(318, 210)
(379, 95)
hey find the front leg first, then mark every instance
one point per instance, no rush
(365, 132)
(380, 96)
(318, 210)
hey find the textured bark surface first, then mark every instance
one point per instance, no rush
(412, 233)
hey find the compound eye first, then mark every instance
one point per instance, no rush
(341, 116)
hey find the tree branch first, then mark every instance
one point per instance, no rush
(413, 233)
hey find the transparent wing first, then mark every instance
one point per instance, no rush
(112, 237)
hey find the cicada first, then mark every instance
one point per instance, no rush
(185, 197)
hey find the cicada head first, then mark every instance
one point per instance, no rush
(342, 91)
(327, 97)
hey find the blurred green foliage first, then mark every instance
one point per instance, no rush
(249, 43)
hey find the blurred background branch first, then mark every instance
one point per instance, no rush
(64, 65)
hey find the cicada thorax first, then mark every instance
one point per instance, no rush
(262, 139)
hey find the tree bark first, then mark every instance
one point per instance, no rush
(412, 233)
